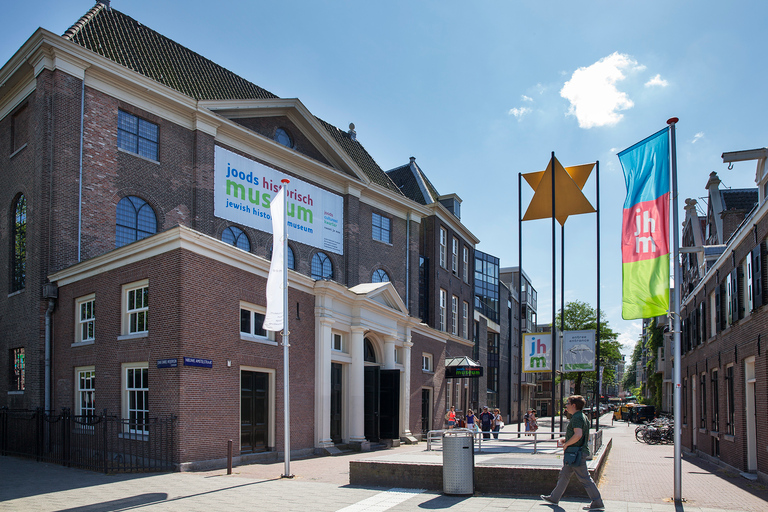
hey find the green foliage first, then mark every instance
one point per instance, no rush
(655, 341)
(631, 371)
(580, 316)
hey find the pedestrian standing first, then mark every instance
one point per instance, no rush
(498, 423)
(576, 436)
(486, 422)
(450, 417)
(471, 420)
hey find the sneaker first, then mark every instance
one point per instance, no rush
(595, 505)
(548, 499)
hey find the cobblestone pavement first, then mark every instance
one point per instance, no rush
(637, 478)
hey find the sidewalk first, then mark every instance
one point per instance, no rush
(637, 477)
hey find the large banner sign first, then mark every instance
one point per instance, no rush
(578, 351)
(537, 352)
(244, 189)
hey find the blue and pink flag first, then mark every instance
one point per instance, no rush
(645, 233)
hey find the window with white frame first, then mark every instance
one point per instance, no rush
(712, 314)
(426, 362)
(465, 321)
(465, 265)
(137, 135)
(339, 343)
(252, 323)
(747, 284)
(85, 393)
(443, 244)
(454, 315)
(136, 397)
(136, 308)
(443, 300)
(86, 319)
(381, 226)
(455, 256)
(398, 355)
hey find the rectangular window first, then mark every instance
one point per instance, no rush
(465, 264)
(85, 393)
(86, 319)
(455, 258)
(136, 397)
(454, 315)
(747, 284)
(715, 403)
(465, 321)
(443, 246)
(712, 315)
(19, 128)
(137, 135)
(703, 401)
(731, 405)
(426, 362)
(252, 323)
(16, 369)
(337, 342)
(137, 309)
(381, 228)
(443, 300)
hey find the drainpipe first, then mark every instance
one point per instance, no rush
(80, 192)
(408, 261)
(48, 338)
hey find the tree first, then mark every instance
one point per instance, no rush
(580, 316)
(630, 375)
(655, 380)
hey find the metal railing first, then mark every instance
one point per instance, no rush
(595, 438)
(95, 442)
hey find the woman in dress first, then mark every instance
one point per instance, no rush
(497, 423)
(471, 420)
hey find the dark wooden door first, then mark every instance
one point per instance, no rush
(336, 397)
(254, 412)
(371, 407)
(389, 404)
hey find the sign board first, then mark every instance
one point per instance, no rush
(244, 189)
(537, 352)
(167, 363)
(579, 351)
(196, 361)
(458, 372)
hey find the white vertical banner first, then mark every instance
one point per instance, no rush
(578, 351)
(273, 320)
(537, 352)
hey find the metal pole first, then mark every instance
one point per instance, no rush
(676, 302)
(286, 346)
(520, 299)
(562, 316)
(597, 333)
(554, 290)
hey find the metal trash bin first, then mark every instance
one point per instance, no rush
(458, 462)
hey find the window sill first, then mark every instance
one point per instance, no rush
(382, 242)
(121, 150)
(258, 339)
(17, 292)
(82, 343)
(16, 392)
(133, 436)
(729, 437)
(431, 372)
(714, 433)
(133, 336)
(702, 431)
(18, 151)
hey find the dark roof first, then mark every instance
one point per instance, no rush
(122, 39)
(409, 179)
(739, 198)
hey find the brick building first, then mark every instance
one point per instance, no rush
(136, 177)
(724, 313)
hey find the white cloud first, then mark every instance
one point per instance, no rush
(697, 137)
(519, 112)
(656, 81)
(527, 98)
(595, 100)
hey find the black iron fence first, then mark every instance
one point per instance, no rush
(95, 442)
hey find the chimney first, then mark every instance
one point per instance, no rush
(105, 3)
(352, 133)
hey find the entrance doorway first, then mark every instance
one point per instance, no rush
(336, 400)
(254, 412)
(382, 404)
(751, 411)
(426, 410)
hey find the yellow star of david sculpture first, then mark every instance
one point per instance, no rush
(569, 199)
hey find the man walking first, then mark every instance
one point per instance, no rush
(576, 435)
(486, 422)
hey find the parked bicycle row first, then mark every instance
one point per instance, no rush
(659, 431)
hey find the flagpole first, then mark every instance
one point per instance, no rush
(676, 317)
(597, 332)
(286, 345)
(520, 298)
(554, 292)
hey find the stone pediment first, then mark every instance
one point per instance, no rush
(381, 293)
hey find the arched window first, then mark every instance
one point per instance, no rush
(322, 268)
(379, 276)
(19, 244)
(370, 353)
(135, 220)
(233, 235)
(289, 255)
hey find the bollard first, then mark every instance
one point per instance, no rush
(229, 457)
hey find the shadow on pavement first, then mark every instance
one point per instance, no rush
(441, 502)
(755, 488)
(133, 501)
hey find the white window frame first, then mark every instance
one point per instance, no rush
(712, 315)
(85, 323)
(379, 221)
(128, 390)
(398, 355)
(85, 376)
(443, 305)
(455, 256)
(443, 244)
(729, 299)
(128, 311)
(427, 362)
(339, 343)
(454, 315)
(747, 287)
(465, 267)
(465, 324)
(267, 338)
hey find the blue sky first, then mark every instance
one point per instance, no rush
(479, 92)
